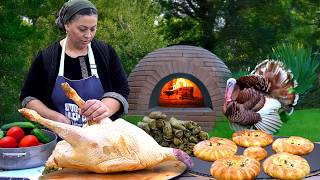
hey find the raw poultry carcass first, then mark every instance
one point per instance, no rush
(254, 101)
(105, 147)
(110, 146)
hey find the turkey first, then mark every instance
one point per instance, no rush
(254, 101)
(110, 146)
(104, 147)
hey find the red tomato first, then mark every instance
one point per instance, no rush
(16, 132)
(29, 140)
(8, 142)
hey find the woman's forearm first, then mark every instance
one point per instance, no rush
(46, 112)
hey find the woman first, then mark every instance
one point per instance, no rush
(90, 66)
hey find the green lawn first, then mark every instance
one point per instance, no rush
(305, 123)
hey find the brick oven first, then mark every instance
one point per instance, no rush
(183, 81)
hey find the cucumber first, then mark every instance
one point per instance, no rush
(27, 125)
(1, 134)
(40, 135)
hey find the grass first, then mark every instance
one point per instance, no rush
(305, 123)
(133, 119)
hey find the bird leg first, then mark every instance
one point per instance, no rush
(73, 95)
(176, 154)
(70, 133)
(184, 157)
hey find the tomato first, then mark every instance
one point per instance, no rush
(8, 142)
(29, 140)
(16, 132)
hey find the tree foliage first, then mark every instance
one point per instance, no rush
(129, 26)
(305, 17)
(240, 32)
(13, 33)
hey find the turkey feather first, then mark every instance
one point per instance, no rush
(273, 122)
(238, 114)
(266, 127)
(269, 112)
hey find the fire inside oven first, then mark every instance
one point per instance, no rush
(180, 92)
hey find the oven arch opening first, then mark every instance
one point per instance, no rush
(180, 90)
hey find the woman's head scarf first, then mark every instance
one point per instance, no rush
(70, 8)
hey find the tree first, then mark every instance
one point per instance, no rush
(25, 27)
(12, 35)
(305, 17)
(129, 26)
(240, 32)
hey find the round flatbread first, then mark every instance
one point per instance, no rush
(215, 148)
(255, 152)
(293, 145)
(286, 166)
(235, 167)
(247, 138)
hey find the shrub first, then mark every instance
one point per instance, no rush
(303, 63)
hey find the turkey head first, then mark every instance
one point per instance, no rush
(232, 90)
(254, 101)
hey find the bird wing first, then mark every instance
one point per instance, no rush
(251, 99)
(237, 113)
(244, 109)
(257, 82)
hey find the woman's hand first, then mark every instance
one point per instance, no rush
(95, 110)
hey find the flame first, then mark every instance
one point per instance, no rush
(181, 82)
(180, 92)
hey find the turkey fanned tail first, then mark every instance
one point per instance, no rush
(281, 83)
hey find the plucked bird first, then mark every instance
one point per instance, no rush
(110, 146)
(254, 101)
(104, 147)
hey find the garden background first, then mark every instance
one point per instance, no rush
(241, 33)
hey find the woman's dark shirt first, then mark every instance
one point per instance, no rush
(39, 85)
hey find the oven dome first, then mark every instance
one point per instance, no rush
(203, 68)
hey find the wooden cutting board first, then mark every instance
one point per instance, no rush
(165, 170)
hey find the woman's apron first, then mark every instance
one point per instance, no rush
(87, 88)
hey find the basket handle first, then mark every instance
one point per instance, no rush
(14, 155)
